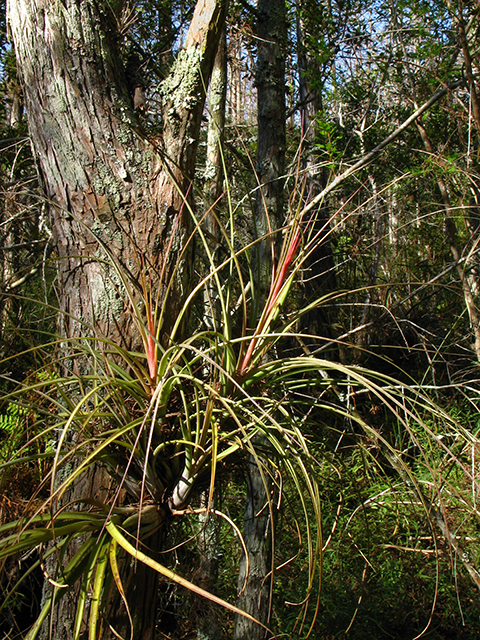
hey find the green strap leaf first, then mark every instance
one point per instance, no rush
(117, 578)
(174, 577)
(102, 564)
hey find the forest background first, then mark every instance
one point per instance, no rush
(279, 354)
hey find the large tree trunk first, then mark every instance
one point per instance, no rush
(107, 183)
(102, 175)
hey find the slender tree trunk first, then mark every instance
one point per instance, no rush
(106, 182)
(16, 101)
(235, 87)
(215, 168)
(318, 276)
(209, 621)
(214, 172)
(208, 626)
(270, 82)
(451, 233)
(255, 580)
(271, 138)
(362, 335)
(255, 583)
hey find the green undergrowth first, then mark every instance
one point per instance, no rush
(369, 480)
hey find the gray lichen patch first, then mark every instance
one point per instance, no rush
(107, 303)
(108, 180)
(106, 235)
(125, 134)
(180, 89)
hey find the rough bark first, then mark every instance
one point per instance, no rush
(106, 181)
(236, 89)
(16, 102)
(254, 581)
(208, 541)
(208, 620)
(270, 82)
(214, 170)
(102, 176)
(310, 106)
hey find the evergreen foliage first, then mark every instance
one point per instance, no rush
(365, 432)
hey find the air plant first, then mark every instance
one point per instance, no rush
(165, 421)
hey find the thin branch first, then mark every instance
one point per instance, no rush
(21, 280)
(249, 7)
(331, 343)
(371, 155)
(23, 245)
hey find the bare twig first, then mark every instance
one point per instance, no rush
(371, 155)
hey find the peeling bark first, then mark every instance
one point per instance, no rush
(108, 184)
(102, 176)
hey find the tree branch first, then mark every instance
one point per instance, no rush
(371, 155)
(21, 280)
(249, 7)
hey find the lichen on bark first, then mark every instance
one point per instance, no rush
(179, 89)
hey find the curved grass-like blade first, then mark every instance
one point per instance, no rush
(171, 575)
(118, 581)
(101, 568)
